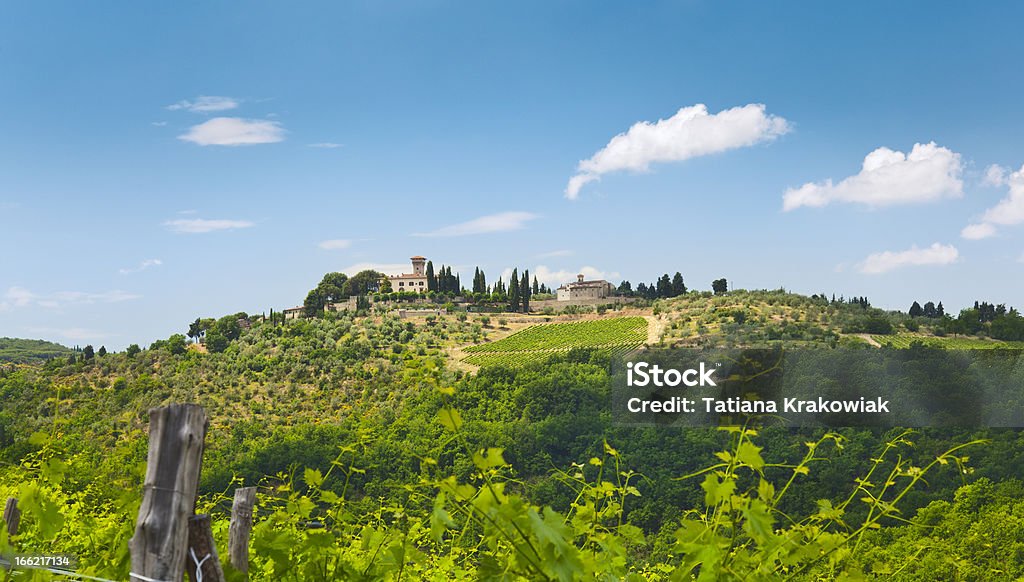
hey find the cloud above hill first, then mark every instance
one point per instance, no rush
(888, 177)
(234, 131)
(500, 222)
(18, 297)
(203, 225)
(884, 262)
(1008, 212)
(205, 104)
(690, 133)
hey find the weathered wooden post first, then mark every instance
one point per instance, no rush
(12, 515)
(202, 553)
(159, 547)
(241, 526)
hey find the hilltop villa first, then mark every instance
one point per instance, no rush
(597, 289)
(415, 281)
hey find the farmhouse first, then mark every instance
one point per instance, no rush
(415, 281)
(597, 289)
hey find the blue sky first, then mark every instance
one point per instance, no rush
(452, 130)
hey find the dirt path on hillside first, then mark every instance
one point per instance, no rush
(655, 329)
(867, 337)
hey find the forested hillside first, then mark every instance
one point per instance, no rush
(411, 467)
(26, 350)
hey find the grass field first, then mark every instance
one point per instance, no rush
(904, 340)
(541, 341)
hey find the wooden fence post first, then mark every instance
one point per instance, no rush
(12, 515)
(201, 549)
(241, 526)
(160, 545)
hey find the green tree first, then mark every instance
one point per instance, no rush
(216, 342)
(102, 351)
(132, 350)
(678, 287)
(720, 286)
(524, 291)
(364, 282)
(513, 291)
(195, 330)
(88, 353)
(176, 344)
(431, 279)
(916, 310)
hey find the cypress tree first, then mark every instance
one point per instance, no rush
(678, 287)
(524, 291)
(513, 291)
(431, 280)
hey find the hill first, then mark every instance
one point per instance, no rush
(342, 419)
(22, 351)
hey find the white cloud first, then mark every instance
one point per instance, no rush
(386, 268)
(234, 131)
(554, 279)
(690, 133)
(937, 254)
(158, 123)
(887, 177)
(142, 266)
(17, 297)
(978, 231)
(325, 145)
(553, 254)
(1008, 212)
(335, 244)
(205, 104)
(995, 175)
(501, 222)
(202, 225)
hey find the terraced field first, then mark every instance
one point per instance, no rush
(904, 340)
(538, 342)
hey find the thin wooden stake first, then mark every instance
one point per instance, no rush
(241, 526)
(12, 515)
(160, 544)
(202, 552)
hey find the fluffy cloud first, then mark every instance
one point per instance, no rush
(202, 225)
(887, 177)
(937, 254)
(17, 297)
(205, 104)
(690, 133)
(335, 244)
(142, 266)
(1008, 212)
(234, 131)
(978, 231)
(330, 145)
(501, 222)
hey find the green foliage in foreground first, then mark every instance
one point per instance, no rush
(22, 351)
(482, 527)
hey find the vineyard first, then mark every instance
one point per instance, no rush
(538, 342)
(904, 340)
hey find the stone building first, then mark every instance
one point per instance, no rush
(415, 281)
(581, 289)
